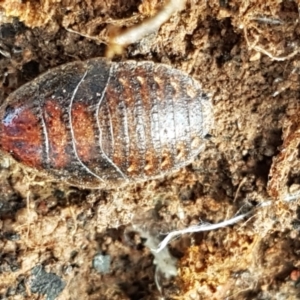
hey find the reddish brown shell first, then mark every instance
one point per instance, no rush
(99, 121)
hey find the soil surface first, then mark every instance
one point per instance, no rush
(61, 242)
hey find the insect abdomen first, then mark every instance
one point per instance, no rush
(97, 121)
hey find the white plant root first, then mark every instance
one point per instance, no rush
(207, 226)
(150, 25)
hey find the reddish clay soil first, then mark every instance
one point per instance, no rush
(62, 242)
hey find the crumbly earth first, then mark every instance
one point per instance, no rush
(60, 242)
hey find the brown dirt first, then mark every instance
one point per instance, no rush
(245, 55)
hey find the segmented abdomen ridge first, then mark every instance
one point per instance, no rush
(98, 121)
(155, 118)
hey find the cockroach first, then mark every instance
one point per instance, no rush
(95, 122)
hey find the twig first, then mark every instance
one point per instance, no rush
(150, 25)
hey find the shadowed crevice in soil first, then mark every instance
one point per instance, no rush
(226, 41)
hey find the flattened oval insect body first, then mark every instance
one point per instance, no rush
(98, 121)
